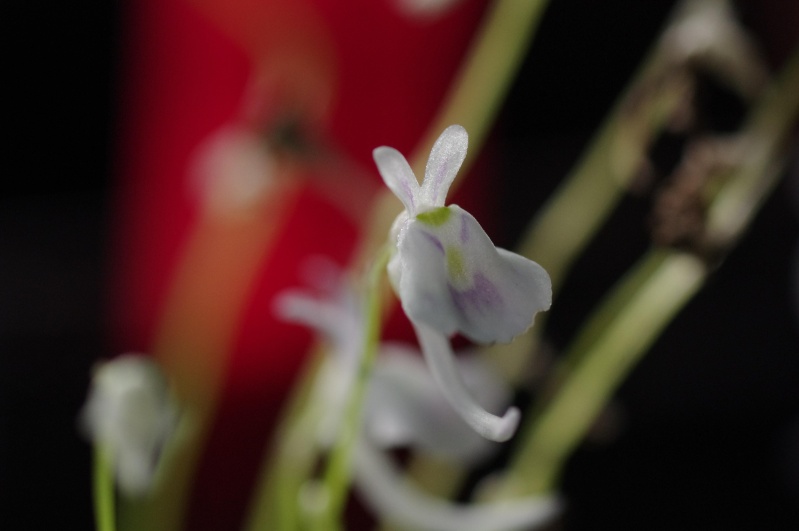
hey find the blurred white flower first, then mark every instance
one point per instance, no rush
(450, 277)
(129, 414)
(404, 406)
(233, 170)
(707, 33)
(387, 493)
(426, 9)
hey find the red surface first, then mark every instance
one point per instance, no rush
(355, 75)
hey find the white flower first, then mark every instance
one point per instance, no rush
(233, 170)
(450, 277)
(447, 272)
(403, 406)
(130, 413)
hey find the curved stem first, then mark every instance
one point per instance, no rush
(289, 465)
(617, 336)
(650, 296)
(441, 360)
(556, 236)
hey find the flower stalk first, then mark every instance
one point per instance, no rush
(103, 490)
(338, 473)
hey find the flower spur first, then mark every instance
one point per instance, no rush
(450, 278)
(404, 406)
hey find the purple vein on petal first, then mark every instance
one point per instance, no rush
(464, 234)
(483, 296)
(435, 241)
(439, 178)
(409, 195)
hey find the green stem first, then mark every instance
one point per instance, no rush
(618, 335)
(582, 203)
(337, 475)
(290, 464)
(489, 68)
(589, 194)
(765, 133)
(103, 490)
(635, 313)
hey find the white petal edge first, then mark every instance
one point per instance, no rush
(441, 360)
(382, 488)
(405, 406)
(130, 412)
(445, 160)
(523, 288)
(398, 176)
(297, 307)
(339, 324)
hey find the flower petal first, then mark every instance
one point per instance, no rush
(406, 408)
(398, 176)
(441, 360)
(445, 160)
(454, 279)
(380, 485)
(130, 413)
(337, 320)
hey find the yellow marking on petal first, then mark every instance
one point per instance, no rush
(435, 217)
(456, 268)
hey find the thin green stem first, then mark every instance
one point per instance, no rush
(765, 133)
(338, 473)
(559, 232)
(103, 490)
(635, 313)
(582, 203)
(476, 94)
(290, 464)
(618, 335)
(489, 68)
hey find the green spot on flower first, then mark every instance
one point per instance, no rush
(436, 217)
(455, 265)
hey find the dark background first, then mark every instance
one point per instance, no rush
(61, 64)
(708, 434)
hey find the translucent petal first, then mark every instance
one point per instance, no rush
(383, 489)
(454, 279)
(441, 360)
(398, 176)
(445, 160)
(130, 413)
(338, 320)
(405, 407)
